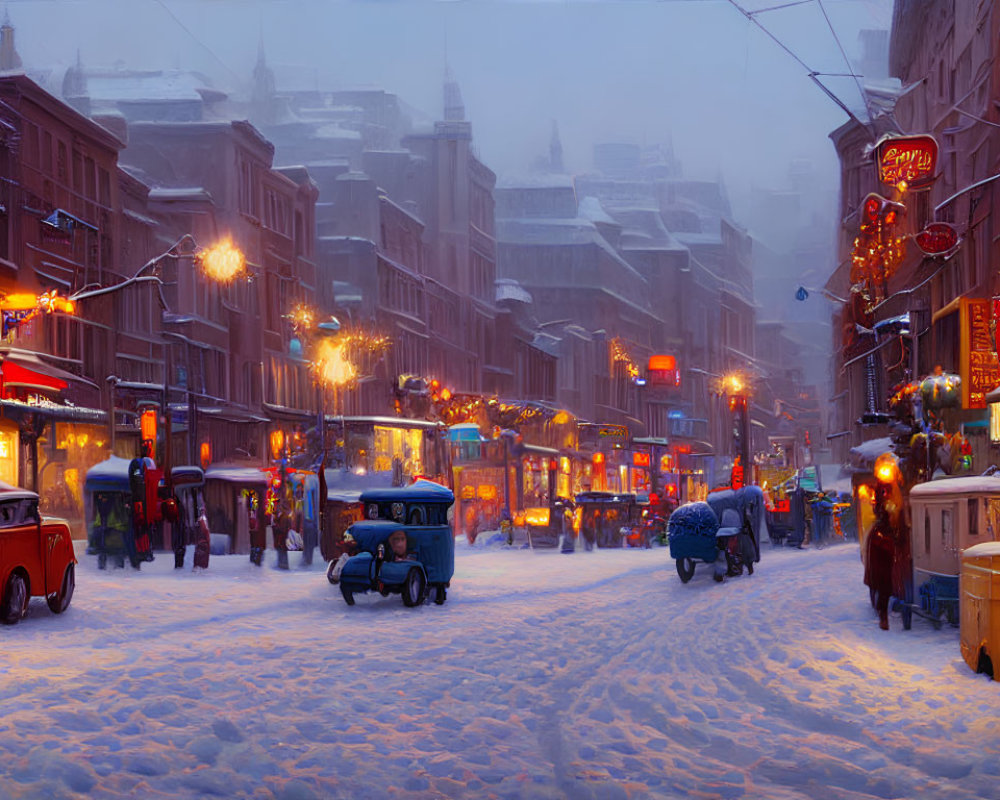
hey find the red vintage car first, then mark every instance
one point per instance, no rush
(36, 556)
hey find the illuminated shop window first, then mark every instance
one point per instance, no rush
(8, 457)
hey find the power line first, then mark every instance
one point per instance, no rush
(812, 74)
(847, 61)
(198, 41)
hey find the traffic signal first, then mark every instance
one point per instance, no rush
(878, 211)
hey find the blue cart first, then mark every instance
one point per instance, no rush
(421, 511)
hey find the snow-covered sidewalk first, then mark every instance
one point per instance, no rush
(545, 675)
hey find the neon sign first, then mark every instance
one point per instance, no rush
(906, 162)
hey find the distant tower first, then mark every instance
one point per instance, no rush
(74, 87)
(454, 108)
(262, 96)
(9, 59)
(555, 151)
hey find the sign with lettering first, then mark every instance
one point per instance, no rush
(980, 370)
(937, 238)
(906, 162)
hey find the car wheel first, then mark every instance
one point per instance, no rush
(15, 600)
(685, 569)
(59, 601)
(348, 595)
(440, 595)
(413, 588)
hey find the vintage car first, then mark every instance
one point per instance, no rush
(420, 510)
(36, 556)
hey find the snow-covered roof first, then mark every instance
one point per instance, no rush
(236, 474)
(546, 180)
(168, 85)
(867, 452)
(982, 549)
(509, 289)
(112, 467)
(590, 208)
(966, 484)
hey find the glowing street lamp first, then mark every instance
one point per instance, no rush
(223, 262)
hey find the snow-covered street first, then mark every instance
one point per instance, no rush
(544, 675)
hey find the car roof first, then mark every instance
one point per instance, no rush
(420, 491)
(8, 492)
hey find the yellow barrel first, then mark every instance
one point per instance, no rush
(979, 593)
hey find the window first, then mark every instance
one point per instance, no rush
(973, 517)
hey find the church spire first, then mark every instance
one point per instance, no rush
(9, 59)
(454, 108)
(262, 96)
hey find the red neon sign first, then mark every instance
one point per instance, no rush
(906, 162)
(937, 238)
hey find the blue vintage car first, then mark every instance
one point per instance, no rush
(420, 510)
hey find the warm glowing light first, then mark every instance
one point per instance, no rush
(277, 441)
(302, 318)
(886, 468)
(561, 418)
(206, 454)
(331, 364)
(446, 394)
(864, 493)
(147, 425)
(223, 262)
(735, 384)
(598, 458)
(537, 517)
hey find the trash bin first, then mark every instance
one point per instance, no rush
(979, 590)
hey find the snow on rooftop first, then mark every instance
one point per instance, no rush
(958, 485)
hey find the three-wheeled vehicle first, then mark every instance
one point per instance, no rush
(36, 556)
(421, 511)
(947, 516)
(606, 517)
(724, 536)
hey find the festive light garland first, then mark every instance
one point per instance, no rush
(620, 355)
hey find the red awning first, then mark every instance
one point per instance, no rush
(14, 375)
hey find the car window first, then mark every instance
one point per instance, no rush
(9, 514)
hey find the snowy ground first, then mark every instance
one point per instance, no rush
(544, 676)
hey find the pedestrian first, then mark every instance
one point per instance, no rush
(203, 541)
(881, 552)
(280, 524)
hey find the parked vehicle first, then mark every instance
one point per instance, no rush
(121, 504)
(421, 511)
(605, 518)
(36, 556)
(948, 516)
(727, 542)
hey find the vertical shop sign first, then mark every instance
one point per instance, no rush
(980, 369)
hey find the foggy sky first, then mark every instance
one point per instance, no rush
(694, 72)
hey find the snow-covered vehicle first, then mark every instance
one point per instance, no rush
(727, 540)
(36, 556)
(948, 516)
(420, 510)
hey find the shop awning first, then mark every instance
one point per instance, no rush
(24, 369)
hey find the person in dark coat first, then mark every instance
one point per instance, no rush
(203, 541)
(881, 553)
(280, 525)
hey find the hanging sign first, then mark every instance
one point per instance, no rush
(906, 162)
(937, 238)
(980, 371)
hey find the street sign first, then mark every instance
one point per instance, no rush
(906, 162)
(937, 238)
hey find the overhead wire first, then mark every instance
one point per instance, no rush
(847, 61)
(810, 72)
